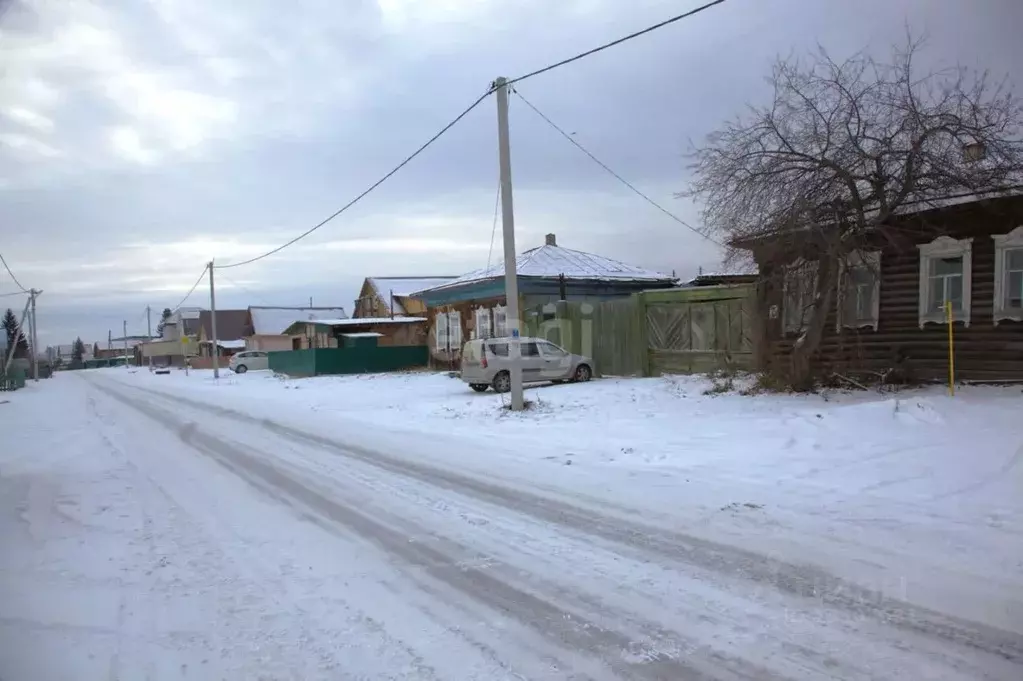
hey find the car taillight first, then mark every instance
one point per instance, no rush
(483, 360)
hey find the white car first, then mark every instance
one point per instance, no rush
(249, 361)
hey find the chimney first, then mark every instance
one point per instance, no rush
(551, 240)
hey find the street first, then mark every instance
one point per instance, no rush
(152, 534)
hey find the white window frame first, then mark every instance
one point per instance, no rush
(1003, 244)
(481, 326)
(810, 267)
(871, 259)
(440, 330)
(500, 313)
(945, 247)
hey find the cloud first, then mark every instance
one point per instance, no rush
(140, 140)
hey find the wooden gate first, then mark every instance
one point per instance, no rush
(699, 329)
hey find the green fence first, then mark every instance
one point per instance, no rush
(682, 330)
(12, 380)
(354, 360)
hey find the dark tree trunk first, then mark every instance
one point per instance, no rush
(803, 368)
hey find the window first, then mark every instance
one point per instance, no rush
(799, 290)
(529, 349)
(859, 289)
(945, 273)
(482, 326)
(448, 329)
(499, 349)
(1009, 275)
(552, 350)
(500, 321)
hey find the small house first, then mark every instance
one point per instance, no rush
(331, 333)
(891, 307)
(270, 323)
(473, 305)
(392, 296)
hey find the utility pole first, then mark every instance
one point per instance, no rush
(110, 339)
(213, 324)
(124, 337)
(149, 334)
(511, 281)
(34, 336)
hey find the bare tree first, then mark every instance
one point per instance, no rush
(842, 148)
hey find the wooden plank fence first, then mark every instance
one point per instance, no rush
(685, 330)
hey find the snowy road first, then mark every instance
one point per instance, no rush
(160, 536)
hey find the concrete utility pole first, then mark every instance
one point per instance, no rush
(34, 337)
(149, 334)
(213, 324)
(511, 280)
(110, 339)
(124, 337)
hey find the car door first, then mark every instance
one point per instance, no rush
(260, 361)
(532, 362)
(557, 361)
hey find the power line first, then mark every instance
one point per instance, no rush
(627, 38)
(618, 177)
(191, 290)
(23, 289)
(235, 283)
(493, 229)
(373, 186)
(462, 115)
(15, 293)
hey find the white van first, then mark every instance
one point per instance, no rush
(485, 363)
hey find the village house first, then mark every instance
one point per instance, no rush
(392, 296)
(332, 333)
(233, 327)
(891, 304)
(270, 323)
(474, 305)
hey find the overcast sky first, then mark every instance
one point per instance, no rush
(141, 138)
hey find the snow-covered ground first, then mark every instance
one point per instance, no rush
(402, 526)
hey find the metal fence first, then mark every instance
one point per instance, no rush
(351, 360)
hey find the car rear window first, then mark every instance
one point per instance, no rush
(499, 349)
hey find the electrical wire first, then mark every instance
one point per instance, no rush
(373, 186)
(191, 290)
(618, 177)
(462, 115)
(256, 296)
(23, 289)
(619, 41)
(15, 293)
(493, 229)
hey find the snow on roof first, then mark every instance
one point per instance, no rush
(551, 261)
(363, 334)
(235, 344)
(401, 287)
(273, 321)
(365, 320)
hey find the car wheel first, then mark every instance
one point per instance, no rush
(241, 369)
(502, 382)
(479, 387)
(582, 374)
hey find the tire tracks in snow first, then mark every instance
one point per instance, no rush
(575, 634)
(802, 581)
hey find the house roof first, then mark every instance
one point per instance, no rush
(231, 324)
(363, 321)
(402, 287)
(272, 321)
(550, 261)
(913, 207)
(367, 320)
